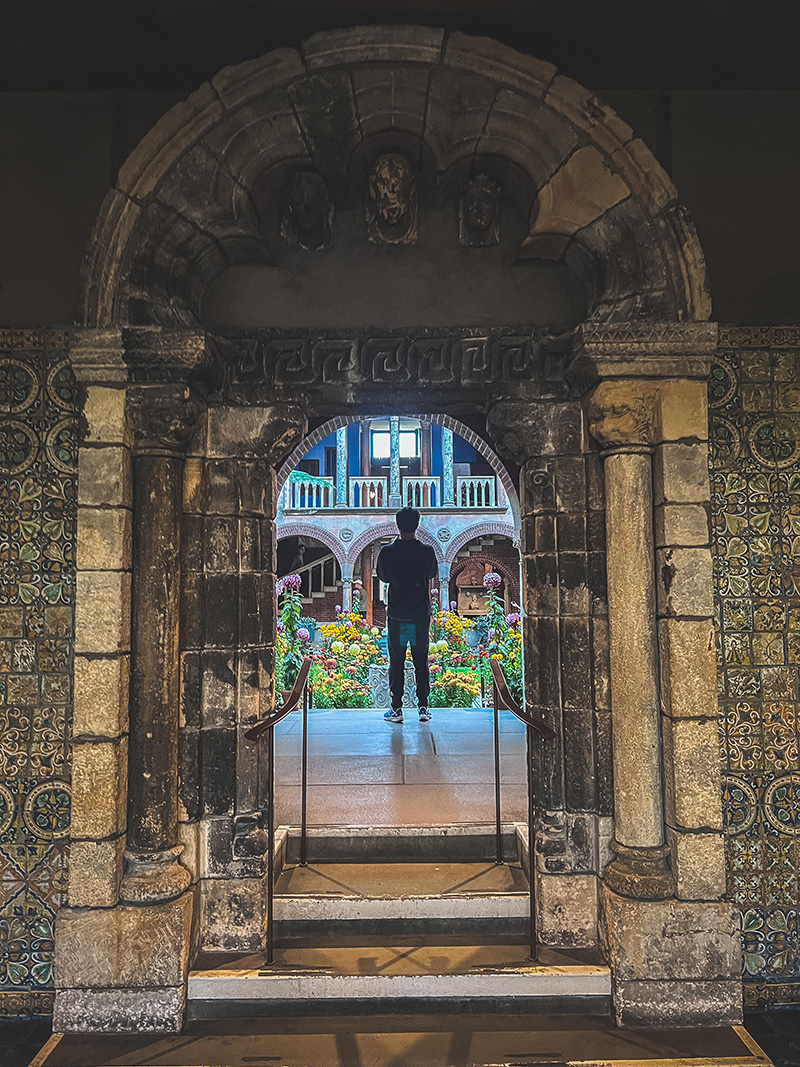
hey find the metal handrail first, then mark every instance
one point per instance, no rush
(503, 698)
(300, 692)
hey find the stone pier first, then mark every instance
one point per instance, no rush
(670, 937)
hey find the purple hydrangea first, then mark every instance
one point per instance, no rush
(303, 634)
(453, 605)
(492, 580)
(513, 618)
(292, 581)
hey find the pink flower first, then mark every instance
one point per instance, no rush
(291, 581)
(492, 580)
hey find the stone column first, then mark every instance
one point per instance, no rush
(444, 584)
(341, 467)
(163, 419)
(395, 499)
(365, 450)
(425, 448)
(448, 488)
(347, 586)
(641, 867)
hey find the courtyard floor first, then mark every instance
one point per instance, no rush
(363, 771)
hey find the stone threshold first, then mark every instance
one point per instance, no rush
(350, 1040)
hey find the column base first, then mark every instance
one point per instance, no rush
(123, 969)
(640, 873)
(150, 877)
(673, 962)
(120, 1011)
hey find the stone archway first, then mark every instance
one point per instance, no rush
(603, 412)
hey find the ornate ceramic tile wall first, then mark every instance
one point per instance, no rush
(37, 531)
(754, 395)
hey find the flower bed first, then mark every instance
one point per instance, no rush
(349, 646)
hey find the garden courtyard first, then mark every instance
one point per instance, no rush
(363, 771)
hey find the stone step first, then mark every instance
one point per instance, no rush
(385, 898)
(402, 975)
(470, 842)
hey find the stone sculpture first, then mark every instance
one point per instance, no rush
(479, 213)
(308, 213)
(391, 206)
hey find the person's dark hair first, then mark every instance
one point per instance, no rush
(407, 520)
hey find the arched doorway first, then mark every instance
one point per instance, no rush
(245, 281)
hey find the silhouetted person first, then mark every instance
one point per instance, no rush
(407, 566)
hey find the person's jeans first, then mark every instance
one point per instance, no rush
(400, 635)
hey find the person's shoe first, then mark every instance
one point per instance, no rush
(424, 715)
(395, 715)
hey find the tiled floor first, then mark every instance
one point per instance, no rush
(365, 772)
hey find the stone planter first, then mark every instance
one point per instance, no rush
(379, 681)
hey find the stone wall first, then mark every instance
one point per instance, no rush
(754, 398)
(755, 468)
(38, 441)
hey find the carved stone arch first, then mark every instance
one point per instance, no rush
(305, 529)
(389, 529)
(187, 203)
(481, 529)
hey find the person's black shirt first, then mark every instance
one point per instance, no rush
(407, 567)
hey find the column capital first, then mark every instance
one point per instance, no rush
(623, 414)
(163, 418)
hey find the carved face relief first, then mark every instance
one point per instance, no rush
(391, 206)
(620, 423)
(308, 215)
(479, 213)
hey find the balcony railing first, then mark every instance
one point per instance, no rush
(372, 494)
(312, 494)
(368, 493)
(422, 492)
(475, 493)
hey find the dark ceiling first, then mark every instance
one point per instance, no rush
(174, 45)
